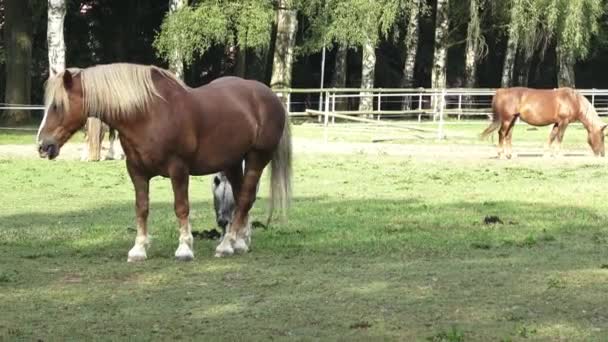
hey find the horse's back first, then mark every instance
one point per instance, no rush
(536, 106)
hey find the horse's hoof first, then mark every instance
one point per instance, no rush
(240, 246)
(183, 253)
(136, 258)
(137, 254)
(223, 251)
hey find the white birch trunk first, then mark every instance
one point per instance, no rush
(411, 50)
(438, 77)
(176, 64)
(512, 45)
(368, 66)
(287, 23)
(339, 77)
(55, 40)
(472, 46)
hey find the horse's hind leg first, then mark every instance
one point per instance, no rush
(239, 233)
(552, 137)
(509, 136)
(502, 133)
(560, 138)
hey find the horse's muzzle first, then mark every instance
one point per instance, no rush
(48, 150)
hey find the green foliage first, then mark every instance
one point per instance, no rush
(350, 22)
(191, 31)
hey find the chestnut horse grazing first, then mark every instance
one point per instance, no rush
(542, 107)
(171, 130)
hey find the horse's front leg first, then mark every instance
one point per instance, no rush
(142, 185)
(179, 180)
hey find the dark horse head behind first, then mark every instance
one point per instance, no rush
(169, 129)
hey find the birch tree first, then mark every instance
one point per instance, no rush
(55, 40)
(176, 65)
(411, 48)
(287, 23)
(440, 56)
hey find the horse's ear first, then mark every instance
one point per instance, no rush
(68, 80)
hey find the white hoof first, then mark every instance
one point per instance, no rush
(224, 248)
(240, 246)
(184, 253)
(137, 253)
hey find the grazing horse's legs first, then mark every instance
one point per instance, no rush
(235, 177)
(551, 139)
(142, 185)
(509, 136)
(112, 138)
(239, 233)
(502, 133)
(560, 138)
(179, 180)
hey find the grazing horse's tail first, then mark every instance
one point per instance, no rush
(280, 174)
(495, 121)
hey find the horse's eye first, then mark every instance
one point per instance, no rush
(216, 181)
(54, 107)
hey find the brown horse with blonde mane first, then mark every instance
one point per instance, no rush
(542, 107)
(171, 130)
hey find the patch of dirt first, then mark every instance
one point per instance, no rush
(73, 151)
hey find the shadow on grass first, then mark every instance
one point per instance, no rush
(389, 269)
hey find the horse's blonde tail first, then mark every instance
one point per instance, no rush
(495, 121)
(280, 174)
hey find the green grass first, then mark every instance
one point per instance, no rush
(376, 248)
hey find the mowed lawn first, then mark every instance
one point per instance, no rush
(376, 248)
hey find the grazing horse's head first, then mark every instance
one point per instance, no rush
(596, 141)
(596, 128)
(63, 113)
(223, 200)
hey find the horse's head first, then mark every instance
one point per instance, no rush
(596, 140)
(223, 200)
(63, 114)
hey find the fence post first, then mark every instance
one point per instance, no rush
(593, 97)
(420, 105)
(326, 118)
(379, 104)
(333, 107)
(441, 103)
(459, 106)
(94, 132)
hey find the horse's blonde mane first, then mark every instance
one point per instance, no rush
(589, 111)
(113, 90)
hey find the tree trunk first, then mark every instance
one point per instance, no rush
(176, 64)
(287, 23)
(54, 34)
(411, 51)
(565, 68)
(241, 62)
(438, 77)
(471, 54)
(18, 47)
(94, 136)
(368, 67)
(512, 45)
(338, 79)
(524, 69)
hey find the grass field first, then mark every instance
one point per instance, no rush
(376, 248)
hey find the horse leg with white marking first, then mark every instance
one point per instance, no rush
(142, 186)
(112, 138)
(179, 180)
